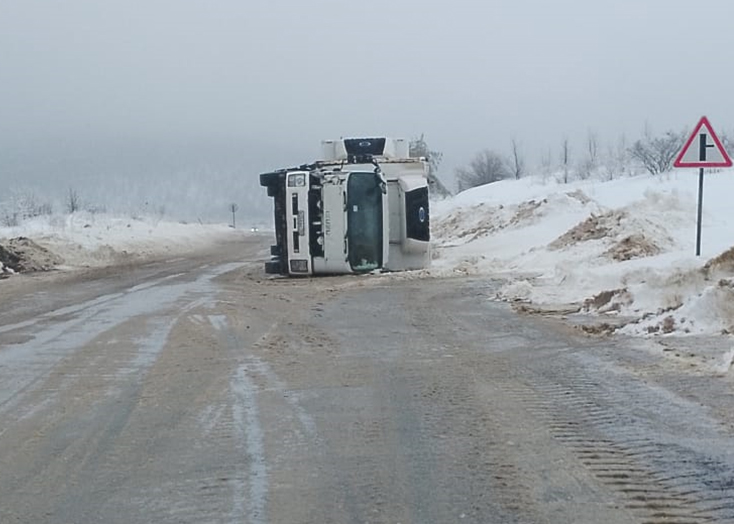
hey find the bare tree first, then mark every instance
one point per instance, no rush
(9, 217)
(518, 162)
(726, 141)
(565, 158)
(22, 205)
(657, 154)
(592, 145)
(486, 167)
(419, 148)
(619, 158)
(591, 162)
(546, 164)
(73, 202)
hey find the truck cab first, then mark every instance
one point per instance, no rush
(364, 207)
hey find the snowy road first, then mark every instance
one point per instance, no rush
(197, 391)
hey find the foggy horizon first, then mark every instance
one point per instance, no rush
(108, 94)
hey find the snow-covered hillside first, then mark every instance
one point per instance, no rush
(624, 248)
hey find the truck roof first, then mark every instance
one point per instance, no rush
(356, 148)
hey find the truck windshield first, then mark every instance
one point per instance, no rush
(364, 221)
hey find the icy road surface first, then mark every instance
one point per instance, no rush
(197, 390)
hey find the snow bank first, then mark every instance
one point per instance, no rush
(89, 240)
(623, 248)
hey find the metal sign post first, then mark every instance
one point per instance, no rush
(700, 212)
(709, 153)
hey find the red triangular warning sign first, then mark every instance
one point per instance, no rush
(703, 149)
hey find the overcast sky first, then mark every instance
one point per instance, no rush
(469, 74)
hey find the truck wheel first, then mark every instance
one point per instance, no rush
(273, 267)
(272, 181)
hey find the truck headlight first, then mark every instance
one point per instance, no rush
(299, 266)
(297, 180)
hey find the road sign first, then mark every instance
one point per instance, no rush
(703, 149)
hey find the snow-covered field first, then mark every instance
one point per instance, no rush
(622, 250)
(92, 240)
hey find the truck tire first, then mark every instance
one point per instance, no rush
(272, 181)
(274, 267)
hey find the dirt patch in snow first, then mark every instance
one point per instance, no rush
(593, 228)
(611, 225)
(723, 263)
(526, 211)
(473, 222)
(8, 261)
(602, 329)
(469, 224)
(580, 196)
(22, 255)
(609, 300)
(550, 310)
(666, 326)
(633, 246)
(727, 313)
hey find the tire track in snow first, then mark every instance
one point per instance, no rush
(249, 434)
(27, 363)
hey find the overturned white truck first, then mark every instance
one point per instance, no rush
(364, 207)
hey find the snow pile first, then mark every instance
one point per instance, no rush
(623, 249)
(22, 254)
(92, 240)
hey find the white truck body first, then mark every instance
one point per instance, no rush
(363, 208)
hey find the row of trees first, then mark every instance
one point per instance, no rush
(655, 154)
(24, 204)
(652, 153)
